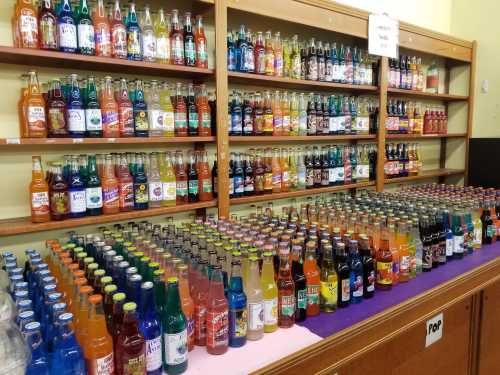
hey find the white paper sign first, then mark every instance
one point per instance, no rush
(434, 330)
(383, 35)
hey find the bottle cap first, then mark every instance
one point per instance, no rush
(32, 327)
(147, 285)
(172, 280)
(65, 317)
(110, 288)
(117, 297)
(95, 299)
(130, 306)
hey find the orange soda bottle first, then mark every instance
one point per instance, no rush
(187, 303)
(276, 170)
(82, 311)
(278, 115)
(39, 193)
(311, 271)
(27, 24)
(34, 105)
(285, 170)
(102, 30)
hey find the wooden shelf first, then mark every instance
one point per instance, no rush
(54, 59)
(427, 95)
(299, 193)
(21, 225)
(288, 83)
(298, 138)
(17, 142)
(426, 174)
(425, 136)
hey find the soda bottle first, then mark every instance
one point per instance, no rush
(47, 25)
(93, 190)
(174, 330)
(180, 113)
(34, 109)
(140, 108)
(192, 112)
(181, 180)
(85, 30)
(59, 198)
(286, 292)
(110, 190)
(39, 193)
(356, 274)
(204, 178)
(76, 189)
(93, 117)
(201, 44)
(101, 30)
(343, 273)
(200, 302)
(269, 55)
(231, 52)
(39, 364)
(176, 40)
(155, 115)
(98, 343)
(154, 182)
(204, 113)
(368, 267)
(82, 309)
(217, 314)
(116, 321)
(119, 46)
(25, 25)
(148, 37)
(384, 262)
(167, 112)
(312, 275)
(130, 344)
(125, 186)
(75, 112)
(255, 302)
(162, 38)
(125, 111)
(134, 35)
(237, 302)
(189, 41)
(186, 302)
(141, 194)
(329, 282)
(66, 28)
(168, 181)
(68, 355)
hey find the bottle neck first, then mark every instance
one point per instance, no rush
(173, 299)
(148, 304)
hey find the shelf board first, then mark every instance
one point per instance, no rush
(427, 95)
(55, 59)
(289, 83)
(299, 193)
(24, 225)
(298, 138)
(17, 142)
(425, 174)
(425, 136)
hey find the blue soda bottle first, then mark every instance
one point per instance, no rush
(24, 318)
(149, 325)
(45, 320)
(134, 35)
(39, 364)
(75, 111)
(231, 52)
(356, 274)
(52, 326)
(39, 304)
(68, 356)
(76, 189)
(66, 27)
(24, 305)
(122, 276)
(237, 301)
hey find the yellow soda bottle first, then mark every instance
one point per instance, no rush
(168, 181)
(269, 294)
(162, 38)
(292, 169)
(167, 110)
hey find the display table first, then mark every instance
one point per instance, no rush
(332, 342)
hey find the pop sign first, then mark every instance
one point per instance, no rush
(383, 35)
(434, 330)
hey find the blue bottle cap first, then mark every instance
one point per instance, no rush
(49, 280)
(24, 304)
(23, 285)
(16, 271)
(53, 297)
(35, 261)
(32, 327)
(49, 288)
(16, 278)
(10, 265)
(60, 306)
(20, 294)
(26, 314)
(65, 317)
(43, 266)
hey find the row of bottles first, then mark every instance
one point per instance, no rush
(107, 184)
(263, 53)
(287, 169)
(407, 73)
(408, 117)
(402, 160)
(280, 114)
(87, 30)
(117, 109)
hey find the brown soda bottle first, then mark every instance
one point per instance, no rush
(384, 262)
(180, 112)
(181, 178)
(56, 108)
(286, 291)
(59, 198)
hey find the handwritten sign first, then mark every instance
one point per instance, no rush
(383, 35)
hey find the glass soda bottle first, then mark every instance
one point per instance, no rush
(47, 26)
(167, 111)
(180, 112)
(174, 343)
(148, 37)
(189, 41)
(181, 179)
(176, 40)
(125, 111)
(140, 108)
(75, 113)
(217, 314)
(85, 30)
(27, 25)
(384, 262)
(93, 190)
(204, 178)
(110, 191)
(150, 329)
(286, 292)
(237, 302)
(201, 44)
(39, 364)
(109, 110)
(312, 274)
(255, 304)
(328, 281)
(155, 114)
(119, 46)
(66, 28)
(93, 116)
(76, 190)
(200, 301)
(356, 275)
(134, 35)
(59, 197)
(186, 302)
(141, 195)
(34, 105)
(68, 355)
(162, 38)
(39, 193)
(102, 30)
(125, 186)
(168, 181)
(300, 283)
(130, 344)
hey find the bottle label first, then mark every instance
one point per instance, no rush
(119, 41)
(339, 174)
(239, 185)
(58, 203)
(141, 120)
(238, 322)
(175, 347)
(93, 119)
(270, 311)
(177, 50)
(76, 120)
(362, 171)
(135, 365)
(148, 46)
(110, 196)
(206, 122)
(302, 299)
(201, 51)
(134, 42)
(102, 40)
(329, 292)
(86, 36)
(200, 322)
(404, 264)
(427, 257)
(169, 191)
(40, 202)
(236, 125)
(36, 118)
(77, 201)
(255, 316)
(217, 329)
(356, 285)
(163, 48)
(363, 124)
(56, 119)
(180, 120)
(287, 307)
(102, 366)
(67, 35)
(156, 119)
(312, 294)
(193, 187)
(231, 185)
(268, 123)
(491, 231)
(477, 238)
(168, 121)
(153, 354)
(384, 273)
(28, 27)
(193, 120)
(94, 197)
(155, 191)
(370, 287)
(206, 185)
(110, 119)
(126, 191)
(458, 244)
(189, 49)
(333, 124)
(141, 193)
(345, 293)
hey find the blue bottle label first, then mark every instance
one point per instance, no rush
(237, 323)
(153, 354)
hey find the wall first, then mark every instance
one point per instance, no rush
(480, 23)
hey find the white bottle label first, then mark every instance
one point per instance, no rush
(346, 290)
(332, 124)
(86, 36)
(339, 174)
(40, 199)
(255, 316)
(270, 311)
(363, 124)
(93, 119)
(93, 197)
(155, 191)
(76, 120)
(77, 201)
(148, 46)
(104, 365)
(168, 121)
(169, 191)
(67, 35)
(176, 348)
(156, 119)
(458, 244)
(36, 114)
(449, 247)
(153, 354)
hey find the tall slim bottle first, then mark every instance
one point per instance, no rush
(74, 109)
(141, 123)
(109, 111)
(154, 181)
(93, 116)
(102, 30)
(187, 302)
(134, 35)
(255, 304)
(110, 191)
(39, 193)
(125, 111)
(201, 44)
(176, 40)
(130, 343)
(150, 327)
(141, 194)
(217, 340)
(47, 27)
(56, 108)
(167, 111)
(168, 180)
(155, 113)
(329, 282)
(85, 30)
(119, 47)
(148, 37)
(237, 302)
(67, 30)
(286, 292)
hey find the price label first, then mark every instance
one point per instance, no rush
(434, 330)
(77, 140)
(111, 140)
(13, 141)
(383, 35)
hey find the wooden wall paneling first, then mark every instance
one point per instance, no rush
(470, 109)
(489, 340)
(222, 100)
(384, 66)
(475, 332)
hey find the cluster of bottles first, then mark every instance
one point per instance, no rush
(408, 118)
(108, 184)
(407, 73)
(282, 170)
(117, 109)
(280, 114)
(54, 25)
(402, 160)
(255, 53)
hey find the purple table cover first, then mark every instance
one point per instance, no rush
(326, 325)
